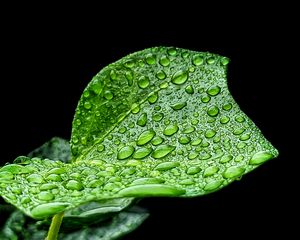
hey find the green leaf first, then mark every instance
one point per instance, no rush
(159, 122)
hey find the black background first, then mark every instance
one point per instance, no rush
(48, 59)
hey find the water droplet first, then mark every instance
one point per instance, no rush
(184, 139)
(197, 60)
(135, 108)
(213, 111)
(180, 77)
(128, 172)
(193, 170)
(164, 166)
(240, 119)
(35, 178)
(157, 140)
(87, 105)
(74, 185)
(213, 185)
(210, 60)
(143, 82)
(48, 186)
(224, 119)
(86, 93)
(77, 122)
(113, 75)
(172, 51)
(100, 148)
(48, 209)
(162, 151)
(122, 130)
(226, 158)
(25, 200)
(95, 183)
(150, 59)
(129, 64)
(125, 152)
(45, 196)
(194, 121)
(157, 108)
(189, 89)
(153, 98)
(4, 176)
(189, 129)
(145, 137)
(227, 106)
(260, 157)
(185, 54)
(108, 95)
(192, 155)
(205, 99)
(187, 181)
(142, 181)
(238, 131)
(83, 140)
(233, 172)
(161, 75)
(204, 156)
(151, 190)
(129, 77)
(142, 153)
(170, 130)
(224, 61)
(157, 117)
(142, 120)
(164, 61)
(57, 171)
(239, 158)
(96, 88)
(54, 177)
(178, 106)
(214, 90)
(245, 136)
(163, 85)
(196, 142)
(210, 133)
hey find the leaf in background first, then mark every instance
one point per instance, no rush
(159, 122)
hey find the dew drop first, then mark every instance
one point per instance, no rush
(172, 51)
(233, 172)
(180, 77)
(35, 178)
(45, 196)
(95, 183)
(189, 129)
(213, 111)
(164, 61)
(192, 155)
(113, 75)
(142, 181)
(226, 158)
(213, 91)
(205, 99)
(100, 148)
(193, 170)
(163, 85)
(142, 120)
(210, 171)
(48, 186)
(87, 105)
(240, 119)
(157, 140)
(4, 176)
(178, 106)
(129, 77)
(162, 151)
(189, 89)
(260, 157)
(224, 61)
(197, 60)
(145, 137)
(161, 75)
(238, 131)
(122, 130)
(108, 95)
(125, 152)
(213, 185)
(157, 117)
(142, 153)
(166, 166)
(210, 60)
(135, 108)
(210, 133)
(143, 82)
(150, 59)
(170, 130)
(129, 64)
(153, 98)
(74, 185)
(224, 119)
(48, 209)
(57, 171)
(54, 177)
(196, 141)
(227, 106)
(184, 140)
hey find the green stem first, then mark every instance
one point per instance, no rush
(54, 227)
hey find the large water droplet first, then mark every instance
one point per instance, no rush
(162, 151)
(157, 140)
(196, 141)
(74, 185)
(178, 106)
(224, 61)
(4, 176)
(210, 133)
(161, 75)
(213, 111)
(150, 59)
(180, 77)
(164, 61)
(193, 170)
(189, 129)
(260, 157)
(143, 82)
(170, 130)
(145, 137)
(197, 60)
(108, 95)
(172, 51)
(14, 169)
(142, 120)
(226, 158)
(48, 209)
(157, 117)
(54, 177)
(166, 166)
(210, 60)
(184, 139)
(233, 172)
(238, 131)
(151, 190)
(213, 185)
(45, 196)
(142, 153)
(214, 90)
(125, 152)
(135, 108)
(224, 119)
(35, 178)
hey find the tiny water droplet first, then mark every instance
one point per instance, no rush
(157, 140)
(143, 82)
(150, 59)
(135, 108)
(213, 91)
(142, 153)
(197, 60)
(180, 77)
(238, 131)
(162, 151)
(185, 54)
(210, 171)
(189, 89)
(170, 130)
(142, 120)
(164, 61)
(108, 95)
(196, 141)
(122, 130)
(195, 121)
(178, 106)
(125, 152)
(48, 186)
(161, 75)
(192, 155)
(145, 137)
(213, 111)
(239, 158)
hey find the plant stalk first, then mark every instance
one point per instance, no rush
(54, 227)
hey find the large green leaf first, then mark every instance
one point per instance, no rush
(159, 122)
